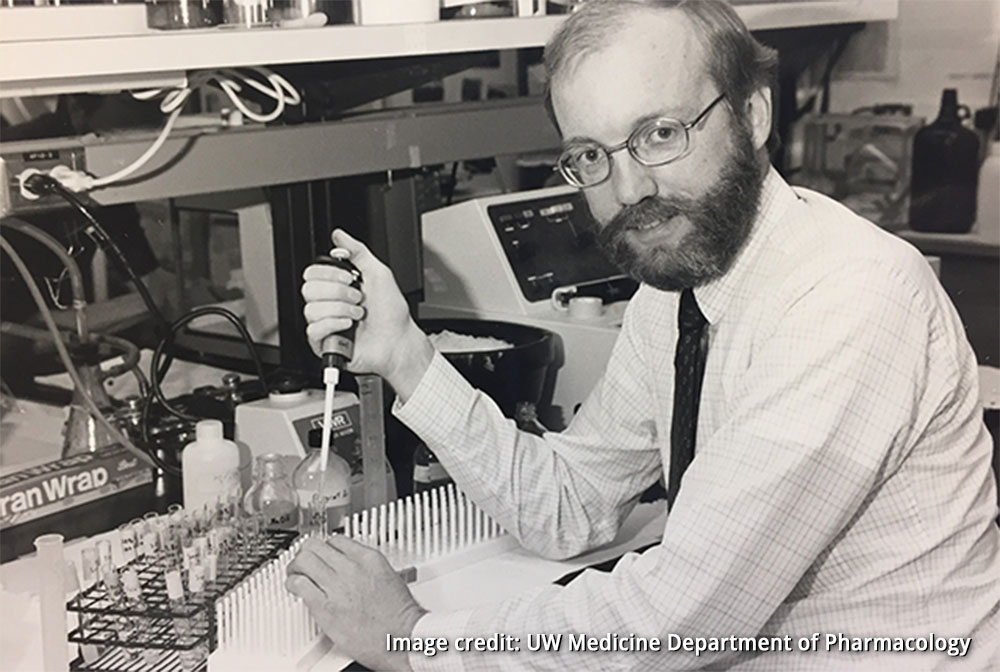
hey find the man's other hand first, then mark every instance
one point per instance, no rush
(356, 598)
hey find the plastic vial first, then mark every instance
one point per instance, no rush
(192, 658)
(135, 602)
(129, 541)
(90, 573)
(182, 624)
(125, 627)
(104, 554)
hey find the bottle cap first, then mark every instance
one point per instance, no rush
(208, 430)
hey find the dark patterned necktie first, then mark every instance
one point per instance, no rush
(689, 369)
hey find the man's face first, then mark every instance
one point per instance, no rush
(680, 224)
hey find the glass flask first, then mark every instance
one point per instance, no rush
(324, 496)
(271, 496)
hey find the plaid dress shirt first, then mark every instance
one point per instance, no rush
(841, 483)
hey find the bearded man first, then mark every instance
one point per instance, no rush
(796, 376)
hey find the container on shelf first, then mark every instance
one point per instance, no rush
(183, 14)
(945, 171)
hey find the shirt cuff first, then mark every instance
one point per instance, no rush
(433, 411)
(447, 624)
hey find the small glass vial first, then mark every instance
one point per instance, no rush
(324, 496)
(271, 496)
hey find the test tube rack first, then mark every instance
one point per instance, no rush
(158, 639)
(262, 626)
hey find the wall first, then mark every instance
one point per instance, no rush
(934, 44)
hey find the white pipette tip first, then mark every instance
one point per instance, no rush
(331, 376)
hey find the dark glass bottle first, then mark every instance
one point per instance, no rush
(945, 170)
(428, 473)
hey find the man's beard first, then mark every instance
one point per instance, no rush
(721, 221)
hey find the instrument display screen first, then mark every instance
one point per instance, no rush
(549, 243)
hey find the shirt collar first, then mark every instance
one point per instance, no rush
(715, 296)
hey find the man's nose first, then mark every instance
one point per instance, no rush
(632, 181)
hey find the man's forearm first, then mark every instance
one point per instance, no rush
(410, 361)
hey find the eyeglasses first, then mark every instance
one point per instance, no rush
(654, 143)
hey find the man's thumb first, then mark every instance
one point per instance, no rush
(358, 250)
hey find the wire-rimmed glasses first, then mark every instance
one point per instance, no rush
(654, 143)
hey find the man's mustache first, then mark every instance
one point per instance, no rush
(650, 209)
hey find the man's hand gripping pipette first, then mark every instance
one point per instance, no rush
(337, 351)
(352, 591)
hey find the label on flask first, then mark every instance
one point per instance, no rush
(279, 515)
(429, 473)
(335, 498)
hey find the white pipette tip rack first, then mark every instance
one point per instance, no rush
(260, 625)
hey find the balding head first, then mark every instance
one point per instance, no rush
(736, 63)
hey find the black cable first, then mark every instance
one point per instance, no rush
(45, 184)
(147, 442)
(452, 183)
(91, 406)
(156, 371)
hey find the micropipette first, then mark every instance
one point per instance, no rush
(337, 350)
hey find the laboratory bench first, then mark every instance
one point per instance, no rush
(458, 580)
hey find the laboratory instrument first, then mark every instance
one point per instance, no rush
(519, 258)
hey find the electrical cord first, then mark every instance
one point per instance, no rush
(42, 183)
(72, 269)
(160, 364)
(64, 355)
(147, 441)
(157, 371)
(228, 81)
(143, 158)
(231, 81)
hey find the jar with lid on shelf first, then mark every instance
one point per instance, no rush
(477, 9)
(183, 14)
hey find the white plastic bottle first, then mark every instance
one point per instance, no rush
(210, 467)
(988, 195)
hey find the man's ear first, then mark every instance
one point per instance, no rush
(758, 114)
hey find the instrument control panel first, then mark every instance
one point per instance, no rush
(549, 243)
